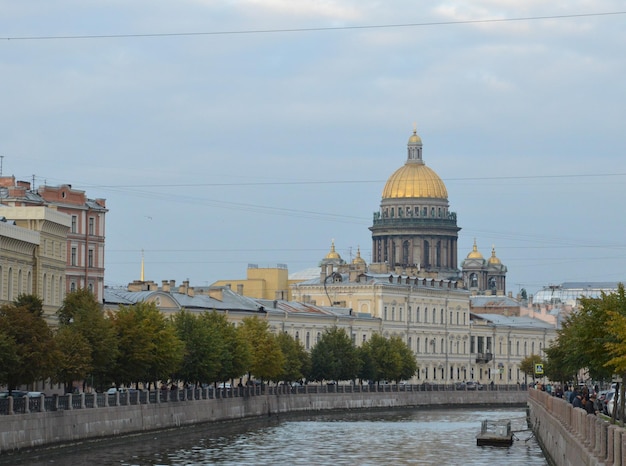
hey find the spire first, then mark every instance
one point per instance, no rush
(142, 269)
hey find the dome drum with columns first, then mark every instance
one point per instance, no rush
(414, 230)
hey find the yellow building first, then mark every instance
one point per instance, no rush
(262, 283)
(33, 255)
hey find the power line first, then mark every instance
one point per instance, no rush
(313, 29)
(287, 183)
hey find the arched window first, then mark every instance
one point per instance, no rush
(297, 336)
(19, 282)
(418, 344)
(425, 315)
(434, 315)
(417, 314)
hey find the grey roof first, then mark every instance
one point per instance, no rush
(493, 301)
(230, 300)
(295, 307)
(511, 321)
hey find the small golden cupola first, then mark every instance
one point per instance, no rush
(358, 260)
(332, 254)
(493, 259)
(475, 254)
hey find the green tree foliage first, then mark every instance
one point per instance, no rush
(297, 360)
(582, 340)
(408, 365)
(9, 356)
(616, 346)
(237, 351)
(84, 315)
(74, 360)
(527, 365)
(29, 341)
(266, 358)
(386, 359)
(555, 366)
(31, 302)
(149, 349)
(334, 357)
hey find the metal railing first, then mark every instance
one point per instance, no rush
(26, 404)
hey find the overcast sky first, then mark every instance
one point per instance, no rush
(216, 146)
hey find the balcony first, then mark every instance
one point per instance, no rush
(482, 358)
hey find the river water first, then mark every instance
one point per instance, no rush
(396, 437)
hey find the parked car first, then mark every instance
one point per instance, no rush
(460, 386)
(471, 385)
(610, 405)
(608, 397)
(14, 394)
(35, 394)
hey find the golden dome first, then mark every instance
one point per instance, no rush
(414, 180)
(332, 254)
(493, 259)
(475, 254)
(358, 260)
(415, 139)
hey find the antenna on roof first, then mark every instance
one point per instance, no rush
(1, 161)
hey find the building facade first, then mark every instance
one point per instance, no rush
(85, 242)
(33, 254)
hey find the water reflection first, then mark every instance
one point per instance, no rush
(414, 436)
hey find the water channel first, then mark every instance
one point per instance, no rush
(407, 436)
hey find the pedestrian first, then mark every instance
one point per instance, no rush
(577, 402)
(590, 404)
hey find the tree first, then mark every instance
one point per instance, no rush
(616, 347)
(334, 357)
(204, 346)
(266, 359)
(74, 360)
(31, 302)
(529, 363)
(149, 349)
(296, 359)
(408, 363)
(84, 315)
(30, 343)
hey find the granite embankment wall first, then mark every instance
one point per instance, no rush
(38, 429)
(571, 437)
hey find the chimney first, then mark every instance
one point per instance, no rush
(216, 293)
(165, 286)
(172, 285)
(182, 289)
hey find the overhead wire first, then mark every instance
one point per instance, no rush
(309, 29)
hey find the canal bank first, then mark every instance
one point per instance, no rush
(39, 429)
(571, 437)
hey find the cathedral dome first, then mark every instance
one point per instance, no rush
(332, 254)
(358, 260)
(414, 180)
(493, 259)
(475, 254)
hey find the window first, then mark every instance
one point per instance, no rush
(73, 256)
(308, 340)
(393, 313)
(385, 313)
(426, 315)
(417, 314)
(297, 336)
(92, 223)
(74, 224)
(400, 314)
(90, 258)
(434, 315)
(418, 344)
(73, 287)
